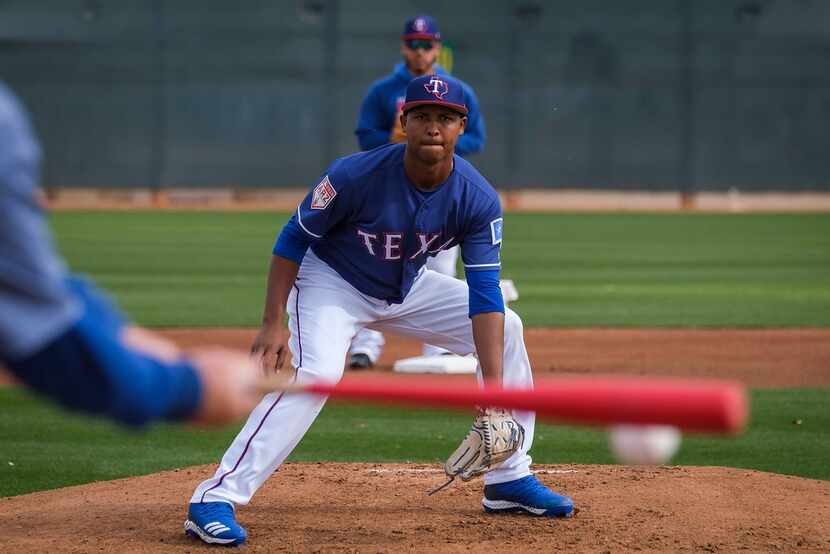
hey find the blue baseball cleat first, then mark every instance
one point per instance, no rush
(526, 495)
(213, 522)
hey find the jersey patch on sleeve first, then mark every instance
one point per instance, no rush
(495, 230)
(324, 193)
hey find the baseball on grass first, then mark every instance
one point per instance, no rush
(644, 444)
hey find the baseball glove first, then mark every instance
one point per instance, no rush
(493, 438)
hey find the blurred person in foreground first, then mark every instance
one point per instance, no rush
(63, 338)
(379, 123)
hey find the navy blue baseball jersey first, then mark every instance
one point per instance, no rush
(379, 228)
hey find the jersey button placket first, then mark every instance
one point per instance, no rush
(419, 226)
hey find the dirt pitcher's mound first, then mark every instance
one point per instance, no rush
(384, 508)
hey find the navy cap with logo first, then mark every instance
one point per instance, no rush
(422, 27)
(439, 90)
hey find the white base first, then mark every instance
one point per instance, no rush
(437, 364)
(508, 290)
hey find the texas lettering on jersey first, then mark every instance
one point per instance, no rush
(388, 245)
(371, 225)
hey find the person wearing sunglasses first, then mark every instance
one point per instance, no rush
(379, 119)
(379, 124)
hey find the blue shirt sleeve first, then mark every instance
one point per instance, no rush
(292, 242)
(88, 368)
(35, 306)
(58, 335)
(485, 293)
(475, 134)
(373, 125)
(481, 247)
(326, 205)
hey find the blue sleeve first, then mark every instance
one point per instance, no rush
(88, 368)
(373, 125)
(59, 335)
(35, 306)
(481, 247)
(96, 304)
(292, 242)
(485, 293)
(326, 205)
(475, 134)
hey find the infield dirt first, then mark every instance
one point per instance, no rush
(329, 507)
(759, 358)
(384, 508)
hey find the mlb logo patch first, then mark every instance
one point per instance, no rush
(495, 230)
(324, 193)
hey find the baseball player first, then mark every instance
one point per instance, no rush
(352, 256)
(62, 338)
(379, 123)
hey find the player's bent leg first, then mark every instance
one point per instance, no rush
(260, 447)
(438, 314)
(432, 350)
(511, 487)
(323, 318)
(256, 452)
(445, 262)
(320, 334)
(516, 374)
(437, 311)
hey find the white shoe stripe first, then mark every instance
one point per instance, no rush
(216, 527)
(190, 526)
(507, 505)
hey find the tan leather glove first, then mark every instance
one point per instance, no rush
(493, 437)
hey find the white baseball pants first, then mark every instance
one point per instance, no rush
(370, 342)
(325, 312)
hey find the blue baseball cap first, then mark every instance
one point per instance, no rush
(421, 27)
(438, 90)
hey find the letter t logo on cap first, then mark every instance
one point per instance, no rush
(437, 87)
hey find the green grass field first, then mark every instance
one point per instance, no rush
(43, 448)
(205, 269)
(754, 270)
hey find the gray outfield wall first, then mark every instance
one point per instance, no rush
(605, 94)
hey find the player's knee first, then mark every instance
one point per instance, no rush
(323, 373)
(513, 328)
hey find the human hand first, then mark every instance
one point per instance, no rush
(229, 385)
(149, 343)
(270, 347)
